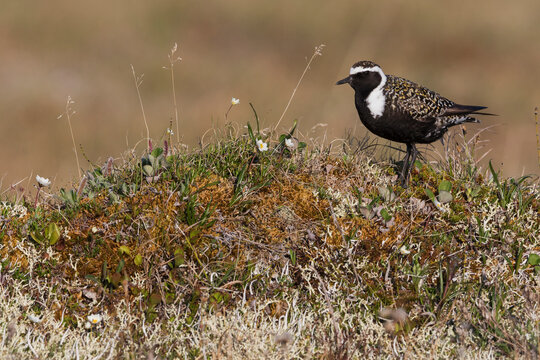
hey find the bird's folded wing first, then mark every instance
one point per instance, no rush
(419, 102)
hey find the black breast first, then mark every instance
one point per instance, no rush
(395, 125)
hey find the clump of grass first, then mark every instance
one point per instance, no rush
(230, 251)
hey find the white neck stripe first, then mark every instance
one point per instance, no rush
(376, 99)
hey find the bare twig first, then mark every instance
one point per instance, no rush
(172, 60)
(138, 82)
(317, 52)
(68, 113)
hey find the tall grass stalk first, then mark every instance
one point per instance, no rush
(138, 82)
(172, 60)
(68, 113)
(317, 52)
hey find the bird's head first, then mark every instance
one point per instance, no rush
(364, 77)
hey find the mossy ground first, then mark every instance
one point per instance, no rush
(228, 252)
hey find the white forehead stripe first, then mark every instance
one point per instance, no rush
(359, 69)
(376, 99)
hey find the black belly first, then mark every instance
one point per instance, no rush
(400, 127)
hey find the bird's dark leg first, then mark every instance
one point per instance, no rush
(411, 151)
(403, 177)
(413, 159)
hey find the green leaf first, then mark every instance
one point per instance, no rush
(445, 185)
(179, 257)
(429, 193)
(37, 237)
(138, 260)
(292, 255)
(157, 152)
(256, 118)
(52, 233)
(534, 259)
(148, 170)
(123, 250)
(217, 296)
(120, 266)
(70, 197)
(445, 197)
(494, 174)
(291, 132)
(385, 215)
(471, 193)
(251, 136)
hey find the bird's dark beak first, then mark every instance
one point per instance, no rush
(344, 81)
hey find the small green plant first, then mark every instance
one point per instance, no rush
(534, 261)
(154, 163)
(434, 199)
(287, 143)
(69, 197)
(368, 210)
(516, 256)
(418, 274)
(193, 216)
(49, 236)
(484, 234)
(445, 195)
(385, 215)
(292, 256)
(509, 189)
(246, 181)
(138, 260)
(472, 192)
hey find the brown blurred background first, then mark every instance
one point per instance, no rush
(474, 52)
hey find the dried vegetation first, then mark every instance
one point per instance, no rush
(229, 252)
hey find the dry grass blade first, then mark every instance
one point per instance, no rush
(317, 52)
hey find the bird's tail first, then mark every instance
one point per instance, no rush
(458, 109)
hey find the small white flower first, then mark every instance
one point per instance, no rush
(94, 319)
(404, 251)
(34, 318)
(43, 181)
(289, 143)
(170, 132)
(261, 145)
(94, 229)
(235, 101)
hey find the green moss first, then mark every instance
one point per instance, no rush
(227, 225)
